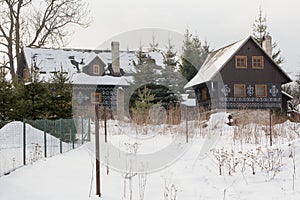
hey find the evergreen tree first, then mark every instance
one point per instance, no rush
(141, 56)
(6, 96)
(170, 55)
(260, 30)
(32, 98)
(193, 55)
(60, 95)
(153, 45)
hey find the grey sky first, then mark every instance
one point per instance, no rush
(219, 22)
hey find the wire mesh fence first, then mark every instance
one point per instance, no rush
(25, 142)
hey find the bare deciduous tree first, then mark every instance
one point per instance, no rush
(37, 23)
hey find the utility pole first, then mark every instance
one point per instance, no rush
(97, 149)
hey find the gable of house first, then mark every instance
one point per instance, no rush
(258, 68)
(95, 68)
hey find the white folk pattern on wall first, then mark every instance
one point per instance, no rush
(273, 91)
(81, 97)
(250, 90)
(225, 90)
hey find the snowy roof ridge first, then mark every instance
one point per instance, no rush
(215, 62)
(52, 59)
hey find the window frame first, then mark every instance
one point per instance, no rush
(96, 69)
(204, 97)
(261, 58)
(239, 85)
(261, 86)
(94, 96)
(245, 62)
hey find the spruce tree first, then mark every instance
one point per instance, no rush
(260, 30)
(153, 45)
(193, 55)
(170, 55)
(60, 95)
(6, 96)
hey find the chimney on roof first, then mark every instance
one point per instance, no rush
(267, 44)
(115, 56)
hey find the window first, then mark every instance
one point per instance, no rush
(24, 74)
(204, 94)
(261, 90)
(241, 62)
(96, 69)
(257, 62)
(96, 98)
(239, 90)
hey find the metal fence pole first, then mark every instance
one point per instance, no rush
(82, 130)
(24, 142)
(60, 134)
(73, 133)
(45, 138)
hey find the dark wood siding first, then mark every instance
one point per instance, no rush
(269, 74)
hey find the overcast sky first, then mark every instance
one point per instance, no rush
(220, 22)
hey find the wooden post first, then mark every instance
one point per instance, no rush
(98, 190)
(270, 127)
(105, 125)
(186, 125)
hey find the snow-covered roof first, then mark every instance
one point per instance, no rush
(216, 60)
(84, 79)
(190, 102)
(49, 60)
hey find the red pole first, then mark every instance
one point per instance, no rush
(98, 192)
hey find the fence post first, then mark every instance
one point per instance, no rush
(81, 130)
(89, 129)
(24, 142)
(60, 134)
(73, 133)
(45, 138)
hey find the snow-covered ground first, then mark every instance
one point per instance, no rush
(194, 175)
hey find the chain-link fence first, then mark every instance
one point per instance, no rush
(28, 141)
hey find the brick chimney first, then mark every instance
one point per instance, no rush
(267, 44)
(115, 56)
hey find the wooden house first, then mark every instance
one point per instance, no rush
(242, 75)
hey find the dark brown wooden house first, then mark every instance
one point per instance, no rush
(241, 76)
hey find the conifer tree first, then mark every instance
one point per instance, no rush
(60, 95)
(260, 30)
(153, 45)
(193, 55)
(170, 55)
(6, 96)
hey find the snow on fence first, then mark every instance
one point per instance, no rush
(25, 142)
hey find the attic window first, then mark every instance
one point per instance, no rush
(239, 90)
(261, 90)
(257, 62)
(241, 62)
(96, 98)
(96, 69)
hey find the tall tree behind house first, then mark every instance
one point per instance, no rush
(260, 30)
(193, 56)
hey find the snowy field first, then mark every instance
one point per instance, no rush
(249, 167)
